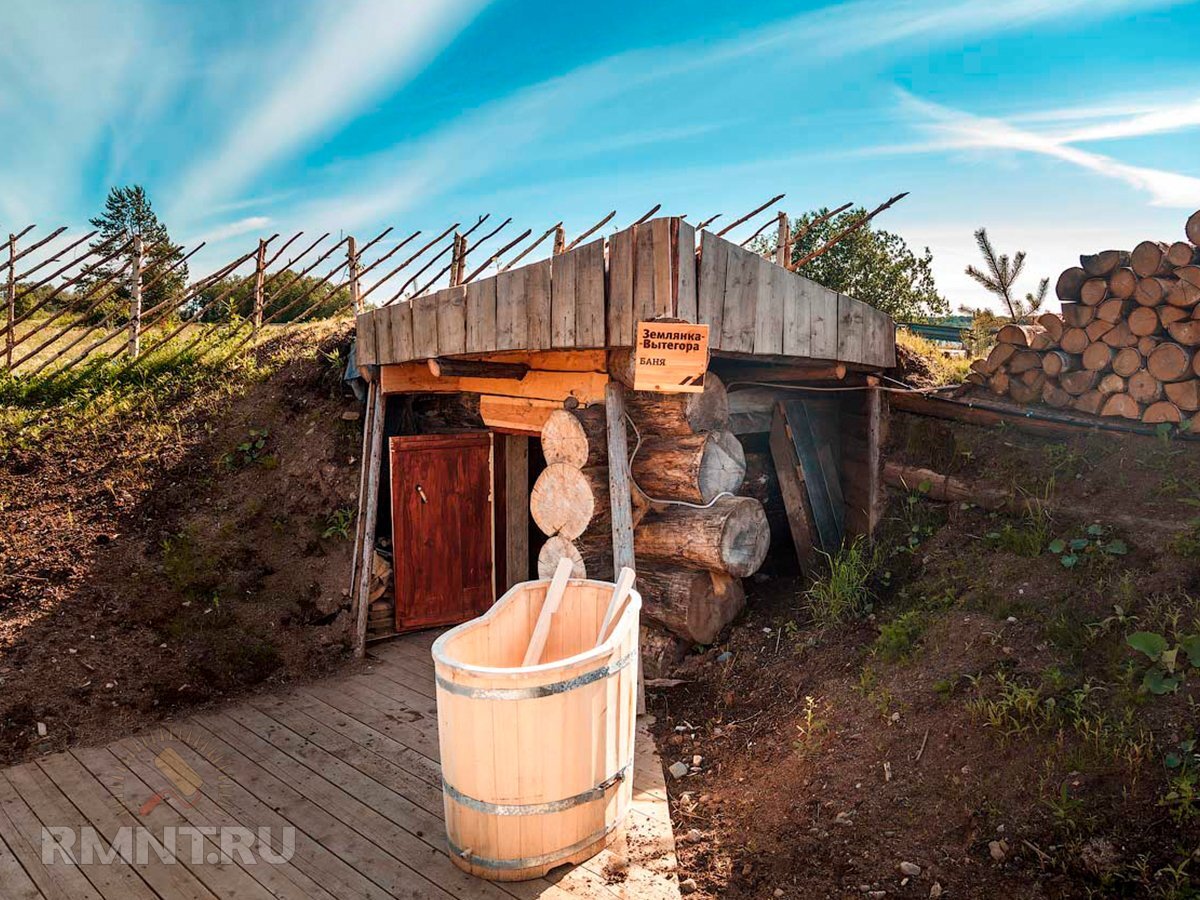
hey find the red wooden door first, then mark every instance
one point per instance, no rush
(442, 528)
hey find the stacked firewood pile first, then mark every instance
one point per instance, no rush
(1125, 344)
(694, 539)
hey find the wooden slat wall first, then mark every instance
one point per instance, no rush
(589, 294)
(583, 299)
(621, 321)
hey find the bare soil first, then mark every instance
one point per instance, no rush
(148, 565)
(983, 721)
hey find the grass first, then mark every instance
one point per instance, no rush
(946, 369)
(843, 591)
(34, 408)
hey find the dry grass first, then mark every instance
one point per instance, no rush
(946, 369)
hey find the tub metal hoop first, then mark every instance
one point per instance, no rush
(536, 809)
(541, 690)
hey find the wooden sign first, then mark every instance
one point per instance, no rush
(670, 357)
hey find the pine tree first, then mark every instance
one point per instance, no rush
(128, 213)
(1002, 273)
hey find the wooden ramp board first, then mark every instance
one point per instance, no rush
(343, 770)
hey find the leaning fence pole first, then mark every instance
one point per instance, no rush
(352, 261)
(135, 299)
(259, 272)
(10, 291)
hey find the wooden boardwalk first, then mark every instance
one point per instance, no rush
(347, 768)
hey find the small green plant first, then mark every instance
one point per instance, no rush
(338, 522)
(1096, 544)
(915, 518)
(843, 592)
(249, 451)
(1029, 538)
(1182, 799)
(897, 638)
(1166, 671)
(810, 727)
(1186, 544)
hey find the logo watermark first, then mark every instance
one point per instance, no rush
(193, 844)
(184, 772)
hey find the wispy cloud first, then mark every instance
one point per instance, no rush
(354, 52)
(232, 229)
(950, 129)
(485, 140)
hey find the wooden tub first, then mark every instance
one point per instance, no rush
(537, 762)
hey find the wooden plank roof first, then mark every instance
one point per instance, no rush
(592, 296)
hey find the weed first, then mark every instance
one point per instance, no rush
(338, 522)
(843, 592)
(1186, 544)
(945, 687)
(190, 571)
(1095, 544)
(1065, 460)
(810, 727)
(1182, 799)
(897, 638)
(1028, 538)
(1167, 670)
(248, 451)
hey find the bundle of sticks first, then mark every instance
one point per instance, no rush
(1125, 344)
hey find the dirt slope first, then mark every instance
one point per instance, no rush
(149, 564)
(985, 721)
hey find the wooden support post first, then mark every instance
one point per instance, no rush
(619, 494)
(560, 239)
(259, 264)
(516, 508)
(363, 470)
(10, 292)
(876, 436)
(369, 516)
(135, 298)
(783, 241)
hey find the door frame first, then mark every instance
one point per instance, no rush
(397, 444)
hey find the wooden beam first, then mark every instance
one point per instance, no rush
(548, 360)
(1051, 422)
(369, 516)
(516, 415)
(585, 388)
(443, 367)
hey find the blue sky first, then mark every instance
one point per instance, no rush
(1061, 125)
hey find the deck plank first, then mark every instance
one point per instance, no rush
(17, 884)
(311, 858)
(282, 880)
(115, 880)
(313, 805)
(350, 763)
(56, 881)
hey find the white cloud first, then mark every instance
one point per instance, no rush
(352, 53)
(951, 129)
(481, 141)
(233, 229)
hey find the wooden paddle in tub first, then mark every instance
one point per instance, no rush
(616, 605)
(554, 595)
